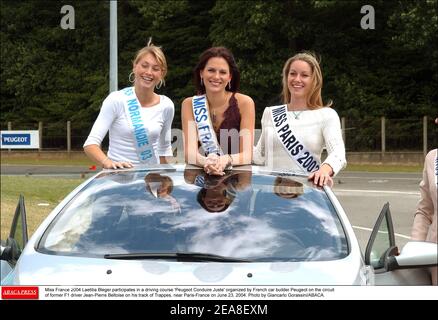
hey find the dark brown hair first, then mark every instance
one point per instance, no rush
(214, 52)
(201, 197)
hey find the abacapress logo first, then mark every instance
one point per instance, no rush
(18, 292)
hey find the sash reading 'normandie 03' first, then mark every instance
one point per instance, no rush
(294, 148)
(143, 147)
(206, 133)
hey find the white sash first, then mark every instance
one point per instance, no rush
(294, 148)
(206, 134)
(143, 146)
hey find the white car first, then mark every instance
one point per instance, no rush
(174, 225)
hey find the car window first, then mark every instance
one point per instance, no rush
(241, 215)
(381, 240)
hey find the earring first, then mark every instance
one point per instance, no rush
(229, 85)
(129, 77)
(202, 82)
(158, 86)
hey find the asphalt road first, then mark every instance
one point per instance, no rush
(362, 195)
(46, 170)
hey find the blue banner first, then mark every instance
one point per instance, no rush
(15, 139)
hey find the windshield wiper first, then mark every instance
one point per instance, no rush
(178, 256)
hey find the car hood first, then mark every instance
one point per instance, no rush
(43, 269)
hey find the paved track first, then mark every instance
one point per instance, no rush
(46, 170)
(363, 195)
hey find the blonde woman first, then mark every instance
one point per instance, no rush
(138, 119)
(294, 134)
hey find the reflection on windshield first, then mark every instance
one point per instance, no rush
(218, 192)
(256, 217)
(161, 186)
(287, 188)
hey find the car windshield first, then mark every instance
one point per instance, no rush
(242, 215)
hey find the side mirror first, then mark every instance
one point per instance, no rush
(413, 255)
(11, 250)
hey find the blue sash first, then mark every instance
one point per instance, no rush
(199, 181)
(143, 146)
(294, 148)
(206, 134)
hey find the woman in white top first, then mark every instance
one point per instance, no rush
(138, 119)
(294, 134)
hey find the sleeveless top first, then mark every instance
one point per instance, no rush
(231, 120)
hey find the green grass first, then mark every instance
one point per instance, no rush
(36, 190)
(26, 160)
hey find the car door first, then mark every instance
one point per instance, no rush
(11, 249)
(392, 267)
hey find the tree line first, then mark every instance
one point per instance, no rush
(55, 75)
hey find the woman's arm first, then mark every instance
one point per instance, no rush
(98, 132)
(246, 134)
(259, 153)
(95, 153)
(245, 178)
(103, 122)
(165, 140)
(334, 143)
(424, 213)
(191, 153)
(335, 161)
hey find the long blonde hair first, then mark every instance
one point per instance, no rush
(314, 99)
(156, 52)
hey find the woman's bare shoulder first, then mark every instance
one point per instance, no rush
(187, 100)
(243, 98)
(245, 102)
(187, 103)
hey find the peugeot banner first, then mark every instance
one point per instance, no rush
(23, 139)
